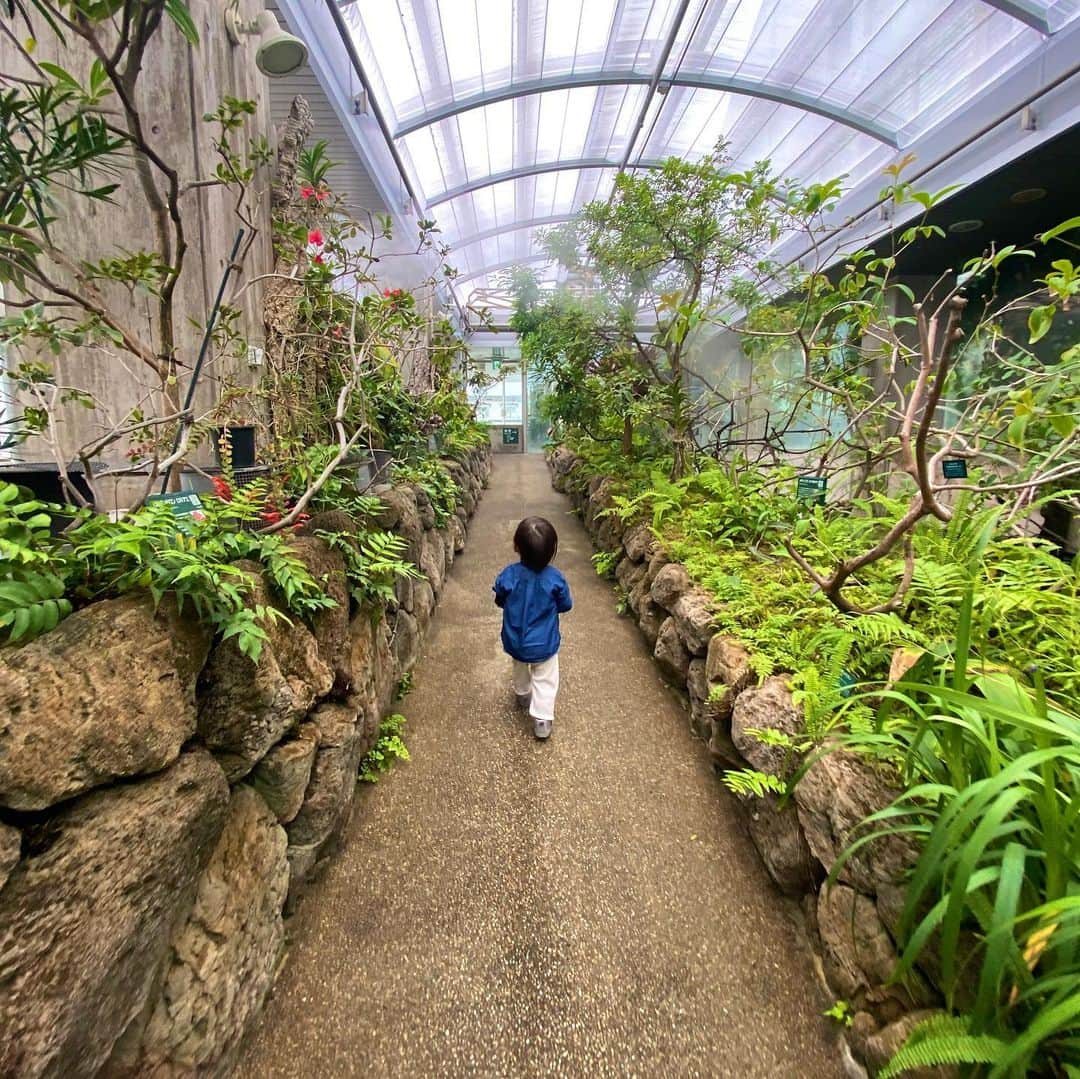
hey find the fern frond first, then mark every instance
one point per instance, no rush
(944, 1039)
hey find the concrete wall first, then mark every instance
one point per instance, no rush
(178, 85)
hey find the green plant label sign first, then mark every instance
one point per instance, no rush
(954, 468)
(511, 436)
(812, 488)
(183, 504)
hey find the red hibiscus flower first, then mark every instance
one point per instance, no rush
(315, 237)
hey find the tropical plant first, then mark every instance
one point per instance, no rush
(992, 908)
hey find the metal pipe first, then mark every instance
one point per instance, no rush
(654, 82)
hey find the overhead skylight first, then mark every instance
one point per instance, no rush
(509, 115)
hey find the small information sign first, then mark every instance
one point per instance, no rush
(183, 504)
(954, 468)
(812, 488)
(511, 436)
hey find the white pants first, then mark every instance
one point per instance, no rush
(542, 681)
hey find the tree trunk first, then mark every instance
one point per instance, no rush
(627, 438)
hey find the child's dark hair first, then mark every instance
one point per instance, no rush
(536, 540)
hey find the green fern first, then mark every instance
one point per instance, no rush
(748, 782)
(944, 1039)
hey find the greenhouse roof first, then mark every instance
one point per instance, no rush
(506, 116)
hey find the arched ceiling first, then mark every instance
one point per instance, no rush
(509, 115)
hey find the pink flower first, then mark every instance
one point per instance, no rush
(318, 260)
(307, 192)
(315, 237)
(321, 194)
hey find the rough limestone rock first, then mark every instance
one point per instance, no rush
(639, 543)
(721, 747)
(432, 560)
(329, 521)
(424, 508)
(693, 614)
(630, 575)
(728, 663)
(10, 847)
(651, 616)
(423, 604)
(766, 707)
(406, 643)
(282, 776)
(330, 625)
(87, 915)
(608, 533)
(364, 653)
(447, 541)
(880, 1048)
(400, 514)
(601, 490)
(837, 793)
(333, 778)
(247, 707)
(457, 534)
(671, 654)
(224, 958)
(386, 676)
(657, 562)
(403, 593)
(780, 842)
(636, 595)
(109, 693)
(669, 585)
(707, 710)
(856, 948)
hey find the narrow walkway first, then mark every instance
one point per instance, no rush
(586, 907)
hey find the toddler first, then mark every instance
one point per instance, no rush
(532, 594)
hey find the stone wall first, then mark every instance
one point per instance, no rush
(854, 922)
(163, 800)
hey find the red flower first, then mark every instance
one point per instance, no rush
(221, 488)
(271, 517)
(307, 192)
(337, 331)
(321, 194)
(386, 293)
(315, 237)
(318, 260)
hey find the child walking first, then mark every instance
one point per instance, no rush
(532, 594)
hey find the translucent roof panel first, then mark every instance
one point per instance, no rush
(509, 114)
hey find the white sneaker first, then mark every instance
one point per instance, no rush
(542, 728)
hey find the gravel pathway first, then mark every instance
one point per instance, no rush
(589, 907)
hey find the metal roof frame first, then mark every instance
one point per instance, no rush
(732, 84)
(537, 169)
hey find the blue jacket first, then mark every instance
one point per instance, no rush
(531, 604)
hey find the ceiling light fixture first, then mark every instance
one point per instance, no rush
(279, 53)
(1028, 194)
(971, 224)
